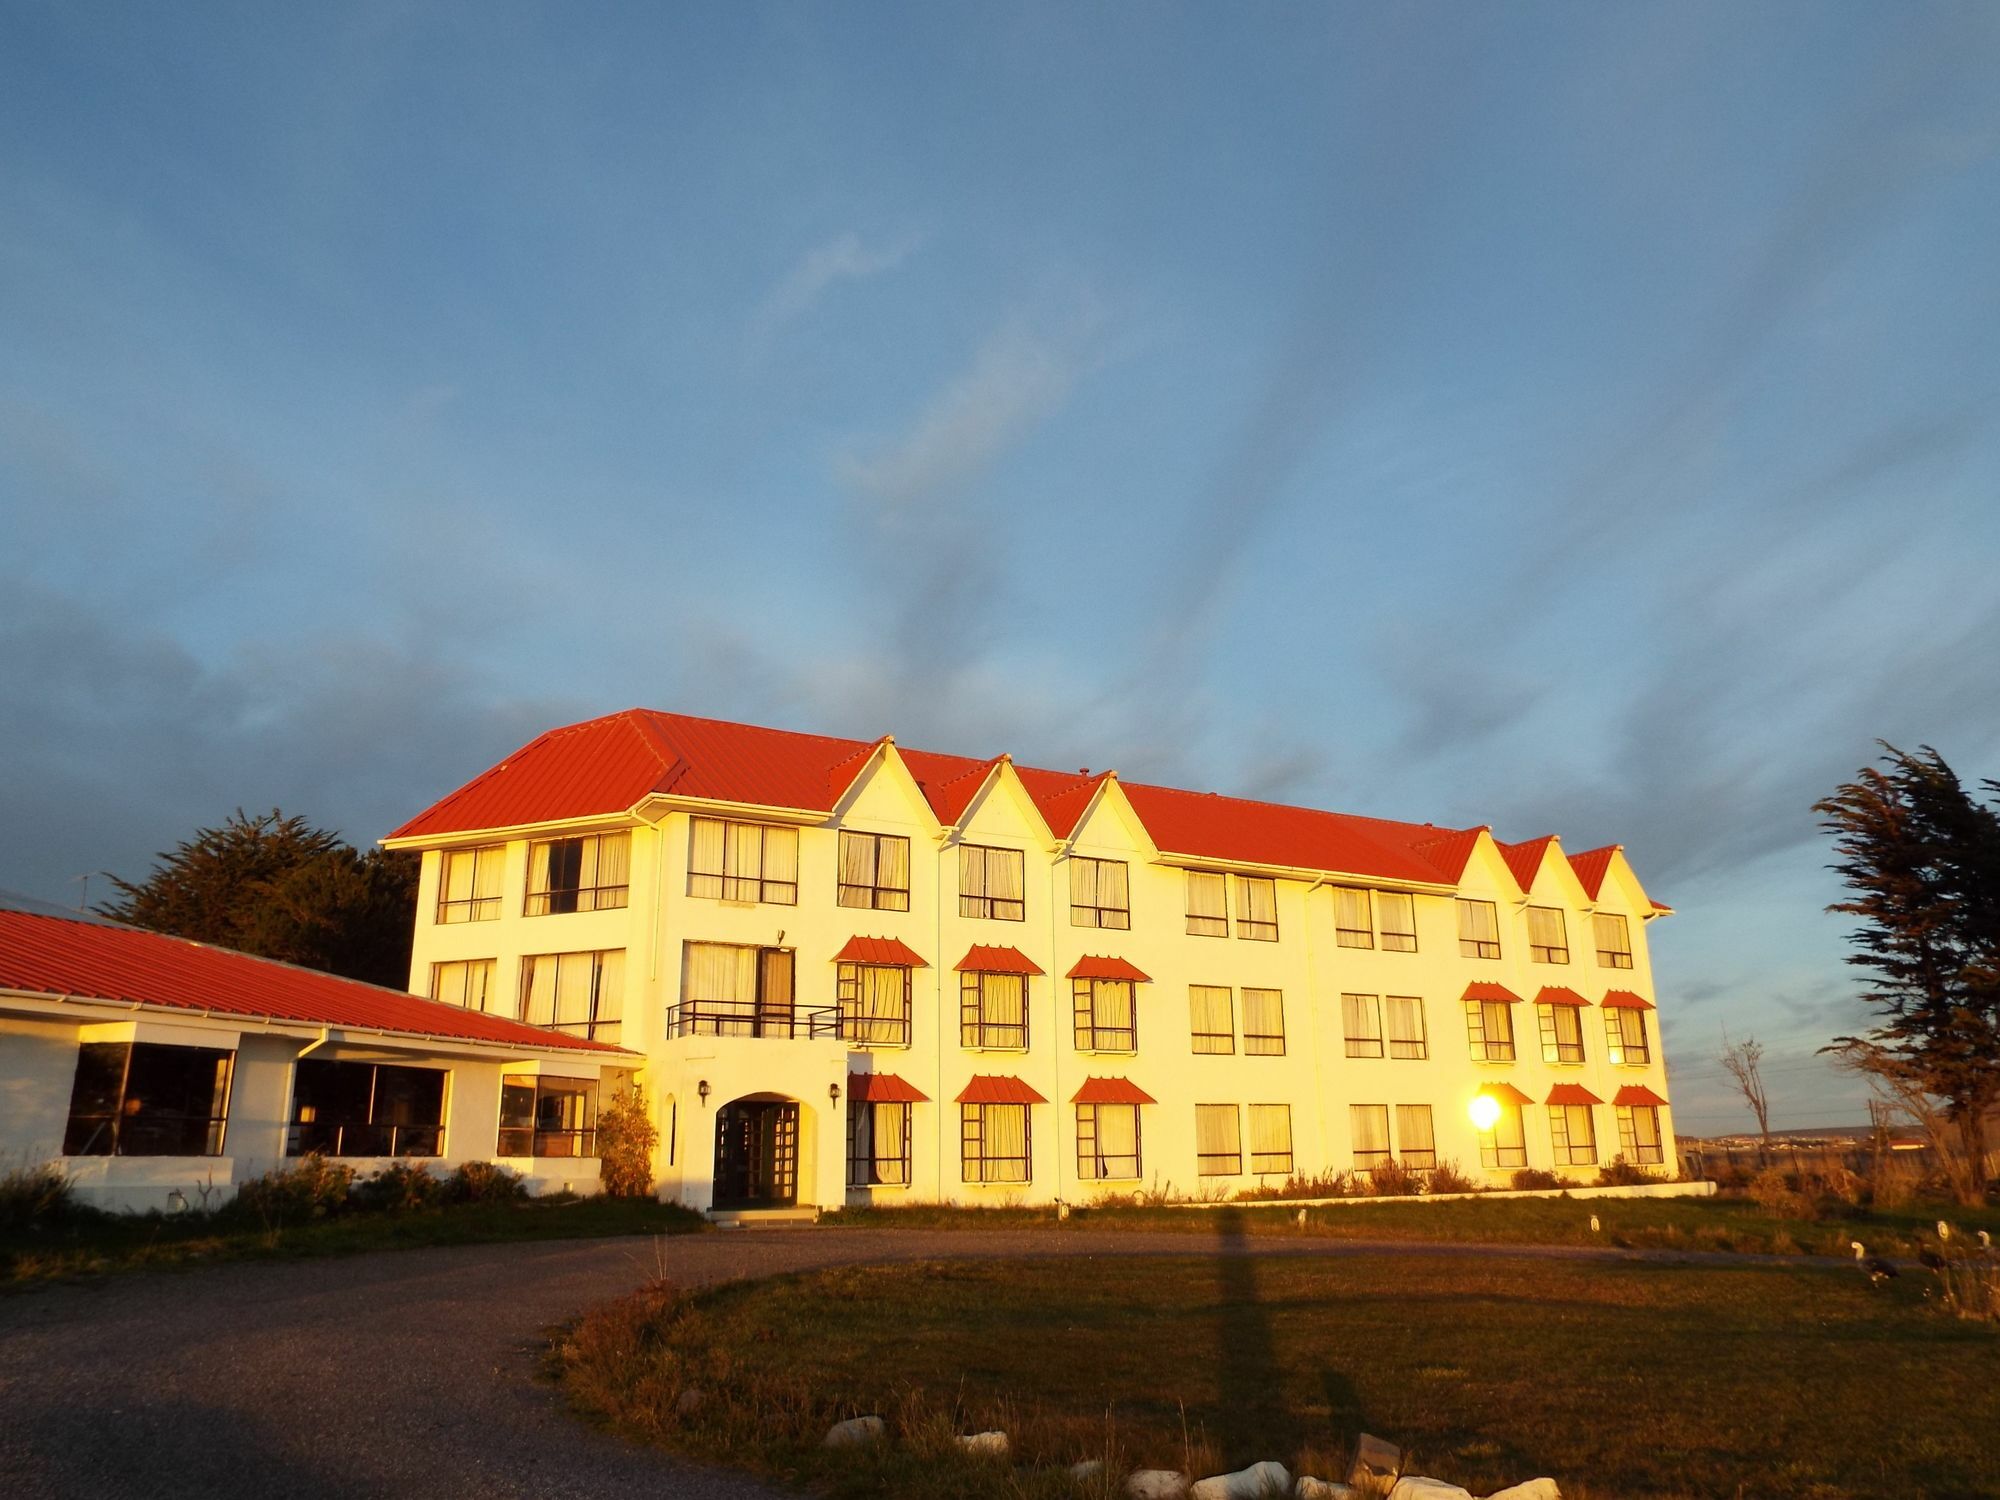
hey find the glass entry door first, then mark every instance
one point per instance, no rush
(757, 1154)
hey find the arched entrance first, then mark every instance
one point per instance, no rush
(757, 1153)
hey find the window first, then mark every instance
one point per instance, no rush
(365, 1109)
(874, 871)
(1368, 1124)
(1107, 1141)
(467, 984)
(1271, 1138)
(469, 884)
(1625, 1037)
(1639, 1133)
(993, 1010)
(1361, 1023)
(993, 1142)
(1218, 1142)
(1263, 1023)
(1352, 926)
(989, 883)
(1406, 1027)
(743, 861)
(878, 1145)
(1257, 908)
(1489, 1024)
(1099, 893)
(1397, 912)
(581, 994)
(548, 1117)
(1211, 1018)
(148, 1099)
(1575, 1135)
(1548, 939)
(587, 874)
(1416, 1146)
(1478, 929)
(874, 1004)
(1207, 904)
(1614, 941)
(733, 990)
(1562, 1033)
(1106, 1018)
(1506, 1144)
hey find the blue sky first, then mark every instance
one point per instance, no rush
(1570, 418)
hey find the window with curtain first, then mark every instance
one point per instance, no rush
(1416, 1146)
(365, 1109)
(989, 883)
(993, 1010)
(469, 883)
(548, 1117)
(1478, 929)
(1218, 1142)
(1361, 1025)
(579, 994)
(993, 1142)
(1506, 1144)
(1396, 915)
(467, 983)
(1548, 939)
(874, 1005)
(1263, 1023)
(1353, 927)
(874, 871)
(1100, 893)
(1271, 1138)
(743, 861)
(1368, 1125)
(1207, 904)
(1614, 941)
(1107, 1142)
(731, 989)
(1106, 1018)
(1625, 1037)
(1573, 1130)
(878, 1145)
(1407, 1038)
(582, 874)
(1211, 1018)
(148, 1099)
(1489, 1027)
(1257, 908)
(1562, 1033)
(1639, 1134)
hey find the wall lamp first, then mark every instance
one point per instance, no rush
(833, 1094)
(702, 1089)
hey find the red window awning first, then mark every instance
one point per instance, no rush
(1637, 1093)
(880, 950)
(1097, 966)
(882, 1088)
(1572, 1093)
(1112, 1091)
(1555, 994)
(1624, 1000)
(998, 1088)
(1506, 1093)
(1481, 990)
(980, 959)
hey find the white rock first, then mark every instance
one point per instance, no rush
(1156, 1484)
(853, 1432)
(1089, 1468)
(1416, 1487)
(1309, 1488)
(1533, 1489)
(994, 1443)
(1269, 1478)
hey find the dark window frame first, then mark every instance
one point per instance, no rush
(972, 1146)
(1480, 947)
(1227, 1038)
(1485, 1046)
(1408, 1049)
(1092, 1164)
(875, 892)
(1394, 940)
(473, 908)
(1089, 1033)
(1568, 1153)
(847, 991)
(370, 1135)
(975, 1030)
(1612, 958)
(1199, 924)
(1262, 1043)
(529, 1131)
(865, 1166)
(1548, 953)
(1096, 913)
(1361, 1044)
(979, 905)
(563, 899)
(1203, 1159)
(131, 1126)
(1621, 1051)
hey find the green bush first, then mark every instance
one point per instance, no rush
(484, 1182)
(1530, 1178)
(35, 1195)
(401, 1187)
(626, 1136)
(310, 1188)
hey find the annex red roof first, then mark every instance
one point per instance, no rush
(1525, 859)
(1555, 994)
(980, 959)
(1097, 966)
(1481, 989)
(1112, 1091)
(1637, 1093)
(1592, 866)
(882, 1088)
(1624, 1000)
(991, 1088)
(1208, 826)
(880, 950)
(1572, 1093)
(1506, 1093)
(82, 958)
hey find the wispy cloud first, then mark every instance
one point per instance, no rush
(845, 257)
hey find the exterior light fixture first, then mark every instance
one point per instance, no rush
(833, 1094)
(1485, 1111)
(702, 1089)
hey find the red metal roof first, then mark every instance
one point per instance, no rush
(1112, 1091)
(1525, 859)
(1572, 1093)
(1481, 989)
(1098, 966)
(1208, 826)
(880, 950)
(882, 1088)
(991, 1088)
(80, 958)
(1555, 994)
(1624, 1000)
(1637, 1093)
(1592, 866)
(1506, 1093)
(980, 959)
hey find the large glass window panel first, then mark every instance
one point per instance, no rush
(1211, 1018)
(1207, 904)
(1218, 1140)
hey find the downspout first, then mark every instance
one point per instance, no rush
(1055, 1012)
(1312, 1020)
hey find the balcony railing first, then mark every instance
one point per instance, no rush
(748, 1018)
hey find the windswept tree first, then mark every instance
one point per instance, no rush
(1921, 857)
(278, 887)
(1744, 1062)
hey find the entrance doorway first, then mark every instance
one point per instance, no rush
(757, 1154)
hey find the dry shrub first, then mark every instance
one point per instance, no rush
(1531, 1178)
(1391, 1179)
(34, 1194)
(1618, 1172)
(626, 1138)
(1445, 1177)
(1772, 1191)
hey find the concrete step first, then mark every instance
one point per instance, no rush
(761, 1218)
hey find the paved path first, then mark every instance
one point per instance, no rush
(411, 1373)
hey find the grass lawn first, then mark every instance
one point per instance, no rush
(91, 1243)
(1618, 1379)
